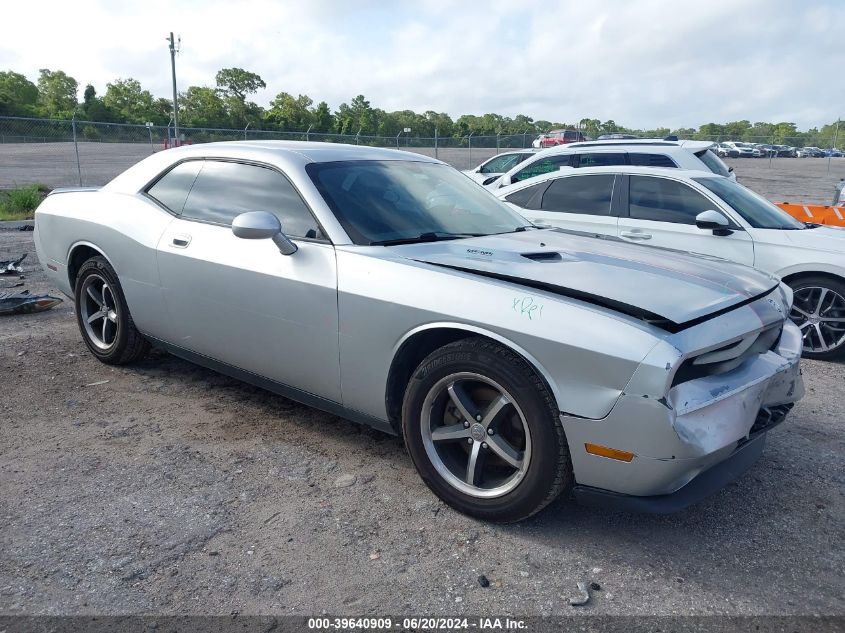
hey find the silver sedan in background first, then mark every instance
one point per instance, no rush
(518, 364)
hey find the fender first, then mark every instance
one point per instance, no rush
(809, 269)
(451, 325)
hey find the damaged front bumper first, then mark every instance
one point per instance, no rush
(702, 435)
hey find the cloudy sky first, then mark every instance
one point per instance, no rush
(642, 63)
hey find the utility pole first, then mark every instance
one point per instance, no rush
(174, 48)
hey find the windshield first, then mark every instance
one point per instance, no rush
(714, 163)
(756, 210)
(386, 201)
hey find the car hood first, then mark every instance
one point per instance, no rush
(669, 288)
(822, 238)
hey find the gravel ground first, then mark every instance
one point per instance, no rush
(54, 164)
(804, 180)
(170, 489)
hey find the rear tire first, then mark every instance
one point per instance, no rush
(484, 432)
(103, 316)
(818, 309)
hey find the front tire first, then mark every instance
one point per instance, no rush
(818, 309)
(483, 431)
(103, 316)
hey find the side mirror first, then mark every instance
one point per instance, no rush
(261, 225)
(713, 221)
(504, 181)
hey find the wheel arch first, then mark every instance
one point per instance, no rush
(800, 274)
(418, 343)
(78, 254)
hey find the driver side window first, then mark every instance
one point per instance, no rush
(664, 200)
(500, 164)
(223, 190)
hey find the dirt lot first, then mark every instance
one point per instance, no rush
(804, 180)
(54, 164)
(170, 489)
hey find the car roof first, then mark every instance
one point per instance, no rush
(645, 142)
(633, 170)
(315, 152)
(668, 147)
(290, 154)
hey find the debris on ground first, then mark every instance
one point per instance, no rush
(14, 284)
(583, 599)
(12, 266)
(595, 586)
(344, 481)
(482, 580)
(95, 384)
(25, 303)
(375, 555)
(27, 227)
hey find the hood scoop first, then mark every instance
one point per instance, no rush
(544, 256)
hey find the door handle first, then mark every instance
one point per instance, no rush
(181, 241)
(635, 235)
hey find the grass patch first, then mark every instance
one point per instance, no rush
(20, 203)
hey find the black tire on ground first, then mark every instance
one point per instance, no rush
(834, 330)
(123, 342)
(548, 472)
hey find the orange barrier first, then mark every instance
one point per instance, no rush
(817, 213)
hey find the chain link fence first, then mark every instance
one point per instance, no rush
(71, 153)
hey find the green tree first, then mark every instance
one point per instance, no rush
(200, 106)
(235, 85)
(237, 82)
(18, 95)
(291, 113)
(56, 93)
(440, 121)
(93, 108)
(323, 118)
(128, 101)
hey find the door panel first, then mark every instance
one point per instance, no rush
(662, 211)
(244, 303)
(736, 247)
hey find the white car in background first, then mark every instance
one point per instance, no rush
(745, 150)
(698, 212)
(491, 169)
(644, 152)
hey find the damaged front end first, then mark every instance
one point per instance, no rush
(695, 413)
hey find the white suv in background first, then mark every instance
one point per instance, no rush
(492, 168)
(699, 212)
(643, 152)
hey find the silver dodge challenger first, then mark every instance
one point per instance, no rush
(517, 363)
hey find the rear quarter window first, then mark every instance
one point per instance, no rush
(524, 197)
(713, 162)
(172, 189)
